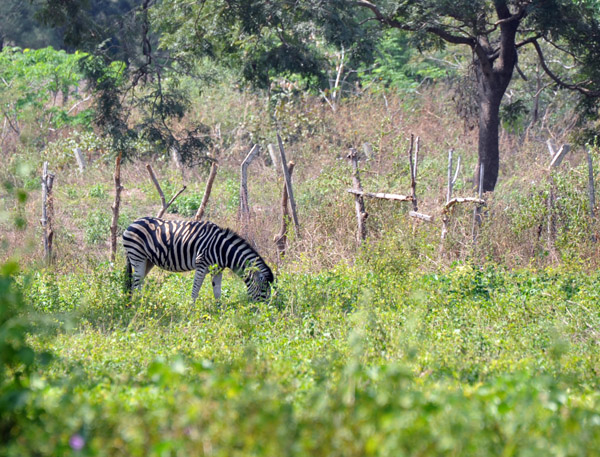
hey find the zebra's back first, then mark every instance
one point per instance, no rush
(171, 245)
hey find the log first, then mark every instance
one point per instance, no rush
(455, 200)
(211, 178)
(115, 208)
(383, 195)
(281, 238)
(423, 217)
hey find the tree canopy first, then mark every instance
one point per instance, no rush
(267, 38)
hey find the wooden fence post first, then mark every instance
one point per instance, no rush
(211, 178)
(288, 185)
(115, 208)
(451, 182)
(556, 160)
(164, 204)
(80, 160)
(281, 238)
(359, 203)
(477, 219)
(413, 170)
(244, 205)
(273, 155)
(47, 212)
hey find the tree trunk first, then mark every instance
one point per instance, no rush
(489, 150)
(492, 83)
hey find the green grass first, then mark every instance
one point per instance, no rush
(363, 360)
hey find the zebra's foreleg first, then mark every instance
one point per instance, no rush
(198, 280)
(216, 282)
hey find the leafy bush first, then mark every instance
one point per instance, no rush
(17, 358)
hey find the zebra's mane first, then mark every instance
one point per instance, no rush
(230, 232)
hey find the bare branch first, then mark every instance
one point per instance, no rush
(383, 195)
(579, 88)
(441, 32)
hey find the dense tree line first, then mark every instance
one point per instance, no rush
(318, 44)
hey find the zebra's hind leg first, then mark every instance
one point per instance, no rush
(140, 270)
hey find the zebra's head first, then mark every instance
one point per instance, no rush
(258, 280)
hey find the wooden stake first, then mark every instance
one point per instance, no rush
(288, 185)
(209, 184)
(47, 212)
(244, 205)
(359, 204)
(477, 211)
(80, 160)
(591, 186)
(271, 148)
(413, 171)
(115, 208)
(281, 238)
(163, 201)
(451, 182)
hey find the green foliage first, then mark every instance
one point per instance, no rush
(265, 39)
(17, 358)
(39, 87)
(352, 361)
(398, 65)
(97, 222)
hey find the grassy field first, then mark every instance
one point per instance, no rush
(406, 345)
(350, 361)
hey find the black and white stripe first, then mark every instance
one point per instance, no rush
(189, 245)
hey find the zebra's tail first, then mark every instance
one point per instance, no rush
(128, 276)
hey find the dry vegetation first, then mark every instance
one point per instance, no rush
(317, 140)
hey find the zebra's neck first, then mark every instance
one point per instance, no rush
(237, 254)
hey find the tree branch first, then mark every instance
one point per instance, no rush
(442, 33)
(579, 88)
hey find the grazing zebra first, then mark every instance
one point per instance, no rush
(189, 245)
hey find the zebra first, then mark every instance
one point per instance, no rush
(190, 245)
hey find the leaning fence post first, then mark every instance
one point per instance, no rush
(47, 212)
(211, 178)
(556, 160)
(288, 184)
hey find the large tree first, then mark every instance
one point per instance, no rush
(496, 31)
